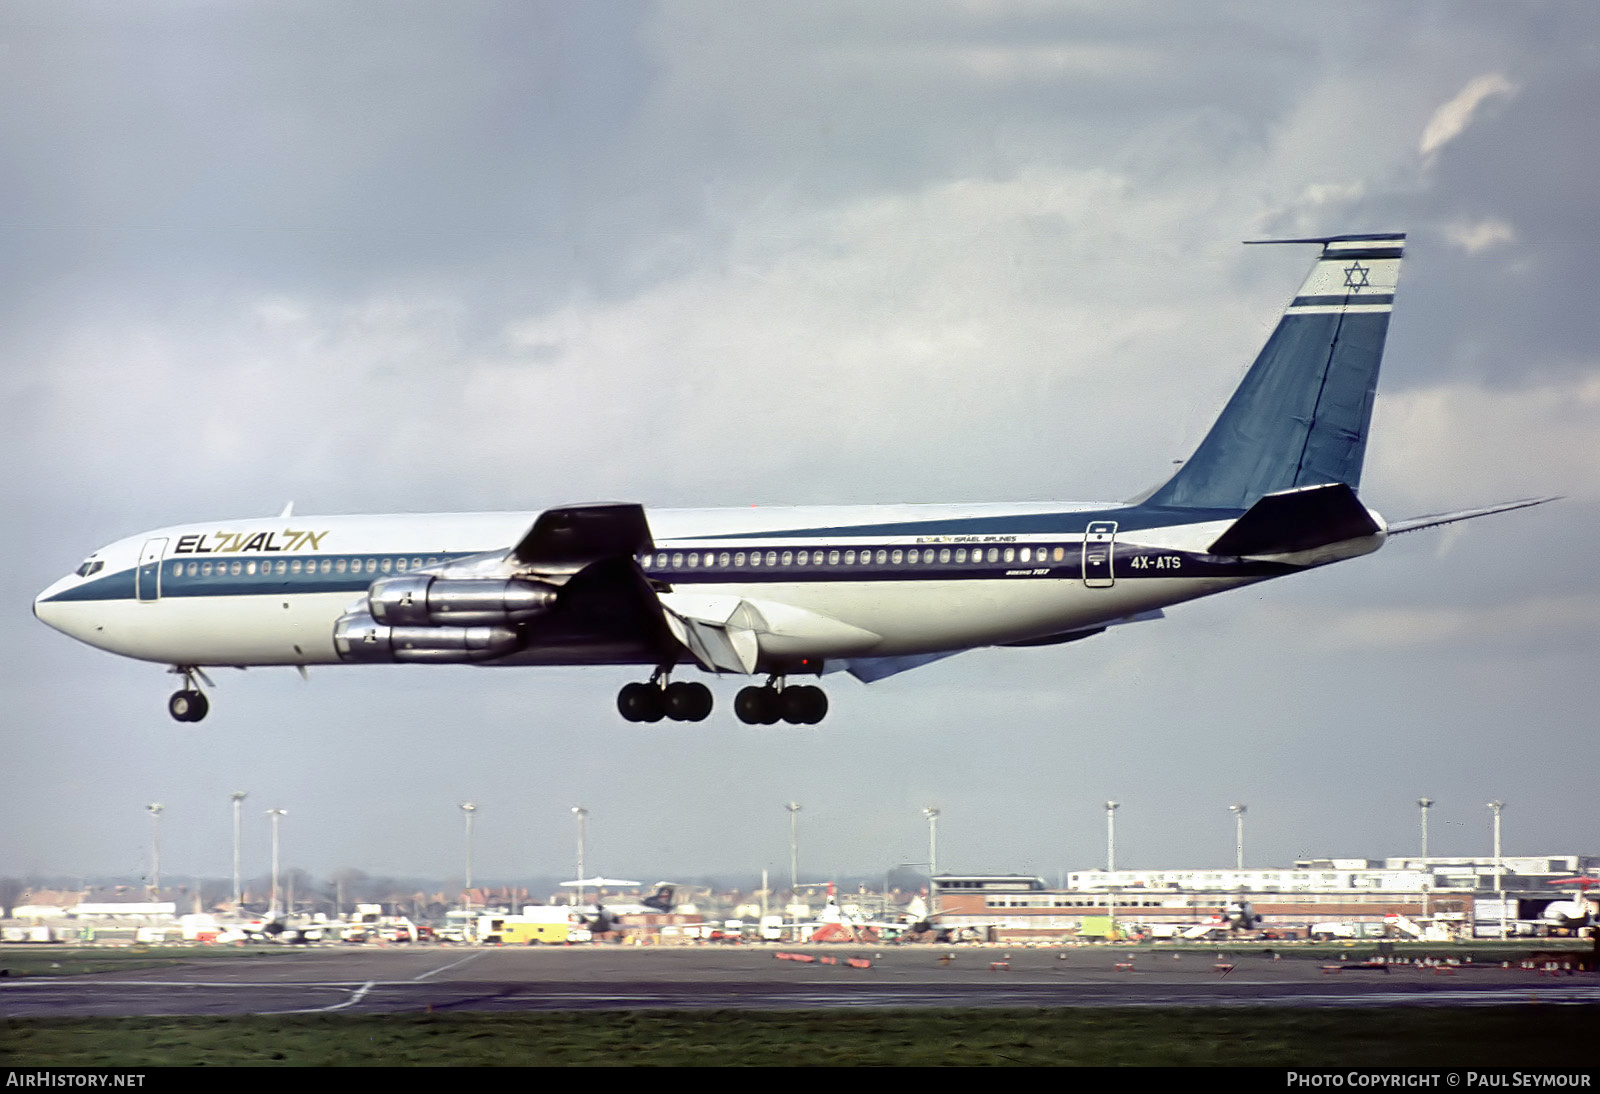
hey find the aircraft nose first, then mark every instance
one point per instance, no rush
(41, 610)
(48, 610)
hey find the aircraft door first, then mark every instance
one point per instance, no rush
(1099, 540)
(148, 575)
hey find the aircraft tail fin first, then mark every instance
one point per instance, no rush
(1300, 416)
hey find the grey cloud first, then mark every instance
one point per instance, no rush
(496, 255)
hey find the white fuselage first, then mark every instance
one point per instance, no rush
(828, 582)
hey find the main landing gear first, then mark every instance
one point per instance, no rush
(797, 704)
(190, 704)
(682, 702)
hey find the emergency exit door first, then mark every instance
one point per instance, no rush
(1099, 541)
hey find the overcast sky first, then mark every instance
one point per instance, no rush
(380, 257)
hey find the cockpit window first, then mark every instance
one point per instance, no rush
(90, 566)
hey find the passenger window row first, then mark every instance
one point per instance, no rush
(345, 564)
(376, 565)
(881, 556)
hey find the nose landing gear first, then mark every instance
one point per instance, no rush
(189, 704)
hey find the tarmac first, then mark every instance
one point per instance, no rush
(440, 979)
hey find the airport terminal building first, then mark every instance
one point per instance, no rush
(1458, 896)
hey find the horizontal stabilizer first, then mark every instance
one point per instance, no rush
(1433, 520)
(1297, 520)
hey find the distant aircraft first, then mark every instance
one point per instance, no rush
(660, 901)
(783, 592)
(604, 920)
(1575, 913)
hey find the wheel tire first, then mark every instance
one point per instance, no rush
(703, 703)
(756, 706)
(187, 706)
(685, 702)
(640, 703)
(792, 703)
(816, 705)
(804, 704)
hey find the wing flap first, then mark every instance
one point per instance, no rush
(720, 631)
(729, 634)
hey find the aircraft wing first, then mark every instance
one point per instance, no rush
(1433, 520)
(605, 606)
(869, 670)
(570, 538)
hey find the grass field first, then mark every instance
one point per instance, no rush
(59, 960)
(1546, 1036)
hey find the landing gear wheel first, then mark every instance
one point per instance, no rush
(188, 705)
(640, 703)
(684, 702)
(803, 704)
(757, 706)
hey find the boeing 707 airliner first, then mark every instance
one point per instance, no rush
(783, 593)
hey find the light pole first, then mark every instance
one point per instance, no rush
(1111, 836)
(1425, 804)
(1495, 807)
(1238, 811)
(155, 809)
(467, 810)
(238, 896)
(794, 850)
(581, 813)
(276, 815)
(932, 814)
(1111, 864)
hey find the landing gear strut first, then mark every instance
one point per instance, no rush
(190, 704)
(681, 702)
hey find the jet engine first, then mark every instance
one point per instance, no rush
(424, 600)
(359, 637)
(427, 619)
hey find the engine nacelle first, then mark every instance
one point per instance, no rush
(360, 638)
(424, 600)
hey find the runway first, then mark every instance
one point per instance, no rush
(410, 979)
